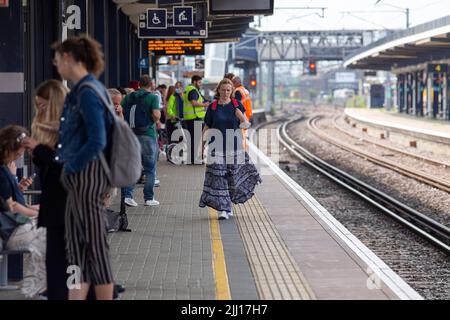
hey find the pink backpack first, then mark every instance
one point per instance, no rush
(216, 103)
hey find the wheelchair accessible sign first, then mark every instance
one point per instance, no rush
(177, 24)
(157, 19)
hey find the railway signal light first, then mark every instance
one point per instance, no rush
(253, 83)
(312, 67)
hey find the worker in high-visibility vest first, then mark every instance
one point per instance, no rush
(194, 111)
(242, 95)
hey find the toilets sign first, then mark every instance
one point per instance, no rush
(183, 16)
(178, 23)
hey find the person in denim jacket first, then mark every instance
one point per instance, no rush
(83, 135)
(82, 132)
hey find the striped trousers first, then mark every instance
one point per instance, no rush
(87, 245)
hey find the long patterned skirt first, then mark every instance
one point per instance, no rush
(229, 183)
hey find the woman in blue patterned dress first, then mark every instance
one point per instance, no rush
(230, 176)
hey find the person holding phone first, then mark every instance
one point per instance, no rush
(49, 102)
(27, 235)
(50, 97)
(25, 183)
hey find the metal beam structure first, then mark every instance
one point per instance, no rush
(332, 45)
(301, 45)
(255, 47)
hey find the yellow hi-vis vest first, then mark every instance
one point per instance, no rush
(189, 111)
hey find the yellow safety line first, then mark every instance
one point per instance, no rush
(219, 266)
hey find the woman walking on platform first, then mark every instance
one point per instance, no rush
(230, 176)
(83, 136)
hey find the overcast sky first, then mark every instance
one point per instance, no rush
(354, 14)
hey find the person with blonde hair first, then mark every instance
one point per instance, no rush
(50, 97)
(230, 176)
(49, 102)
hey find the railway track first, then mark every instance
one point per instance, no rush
(390, 148)
(419, 223)
(434, 181)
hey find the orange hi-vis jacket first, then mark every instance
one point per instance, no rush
(246, 101)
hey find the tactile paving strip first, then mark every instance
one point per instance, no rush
(276, 273)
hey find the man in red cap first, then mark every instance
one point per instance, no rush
(134, 85)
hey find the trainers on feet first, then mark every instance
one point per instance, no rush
(223, 216)
(119, 288)
(230, 214)
(157, 183)
(43, 295)
(151, 203)
(131, 203)
(245, 125)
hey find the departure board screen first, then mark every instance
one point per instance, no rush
(240, 7)
(170, 47)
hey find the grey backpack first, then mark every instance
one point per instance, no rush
(124, 167)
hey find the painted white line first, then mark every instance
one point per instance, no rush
(403, 290)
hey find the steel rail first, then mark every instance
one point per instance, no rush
(436, 233)
(407, 153)
(431, 180)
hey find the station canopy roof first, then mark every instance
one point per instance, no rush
(423, 43)
(221, 28)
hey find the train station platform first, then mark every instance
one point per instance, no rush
(425, 134)
(423, 125)
(279, 246)
(282, 245)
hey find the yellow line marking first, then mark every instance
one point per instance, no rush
(219, 266)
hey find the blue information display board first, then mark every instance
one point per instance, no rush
(150, 25)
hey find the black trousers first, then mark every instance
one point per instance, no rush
(195, 140)
(170, 129)
(56, 264)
